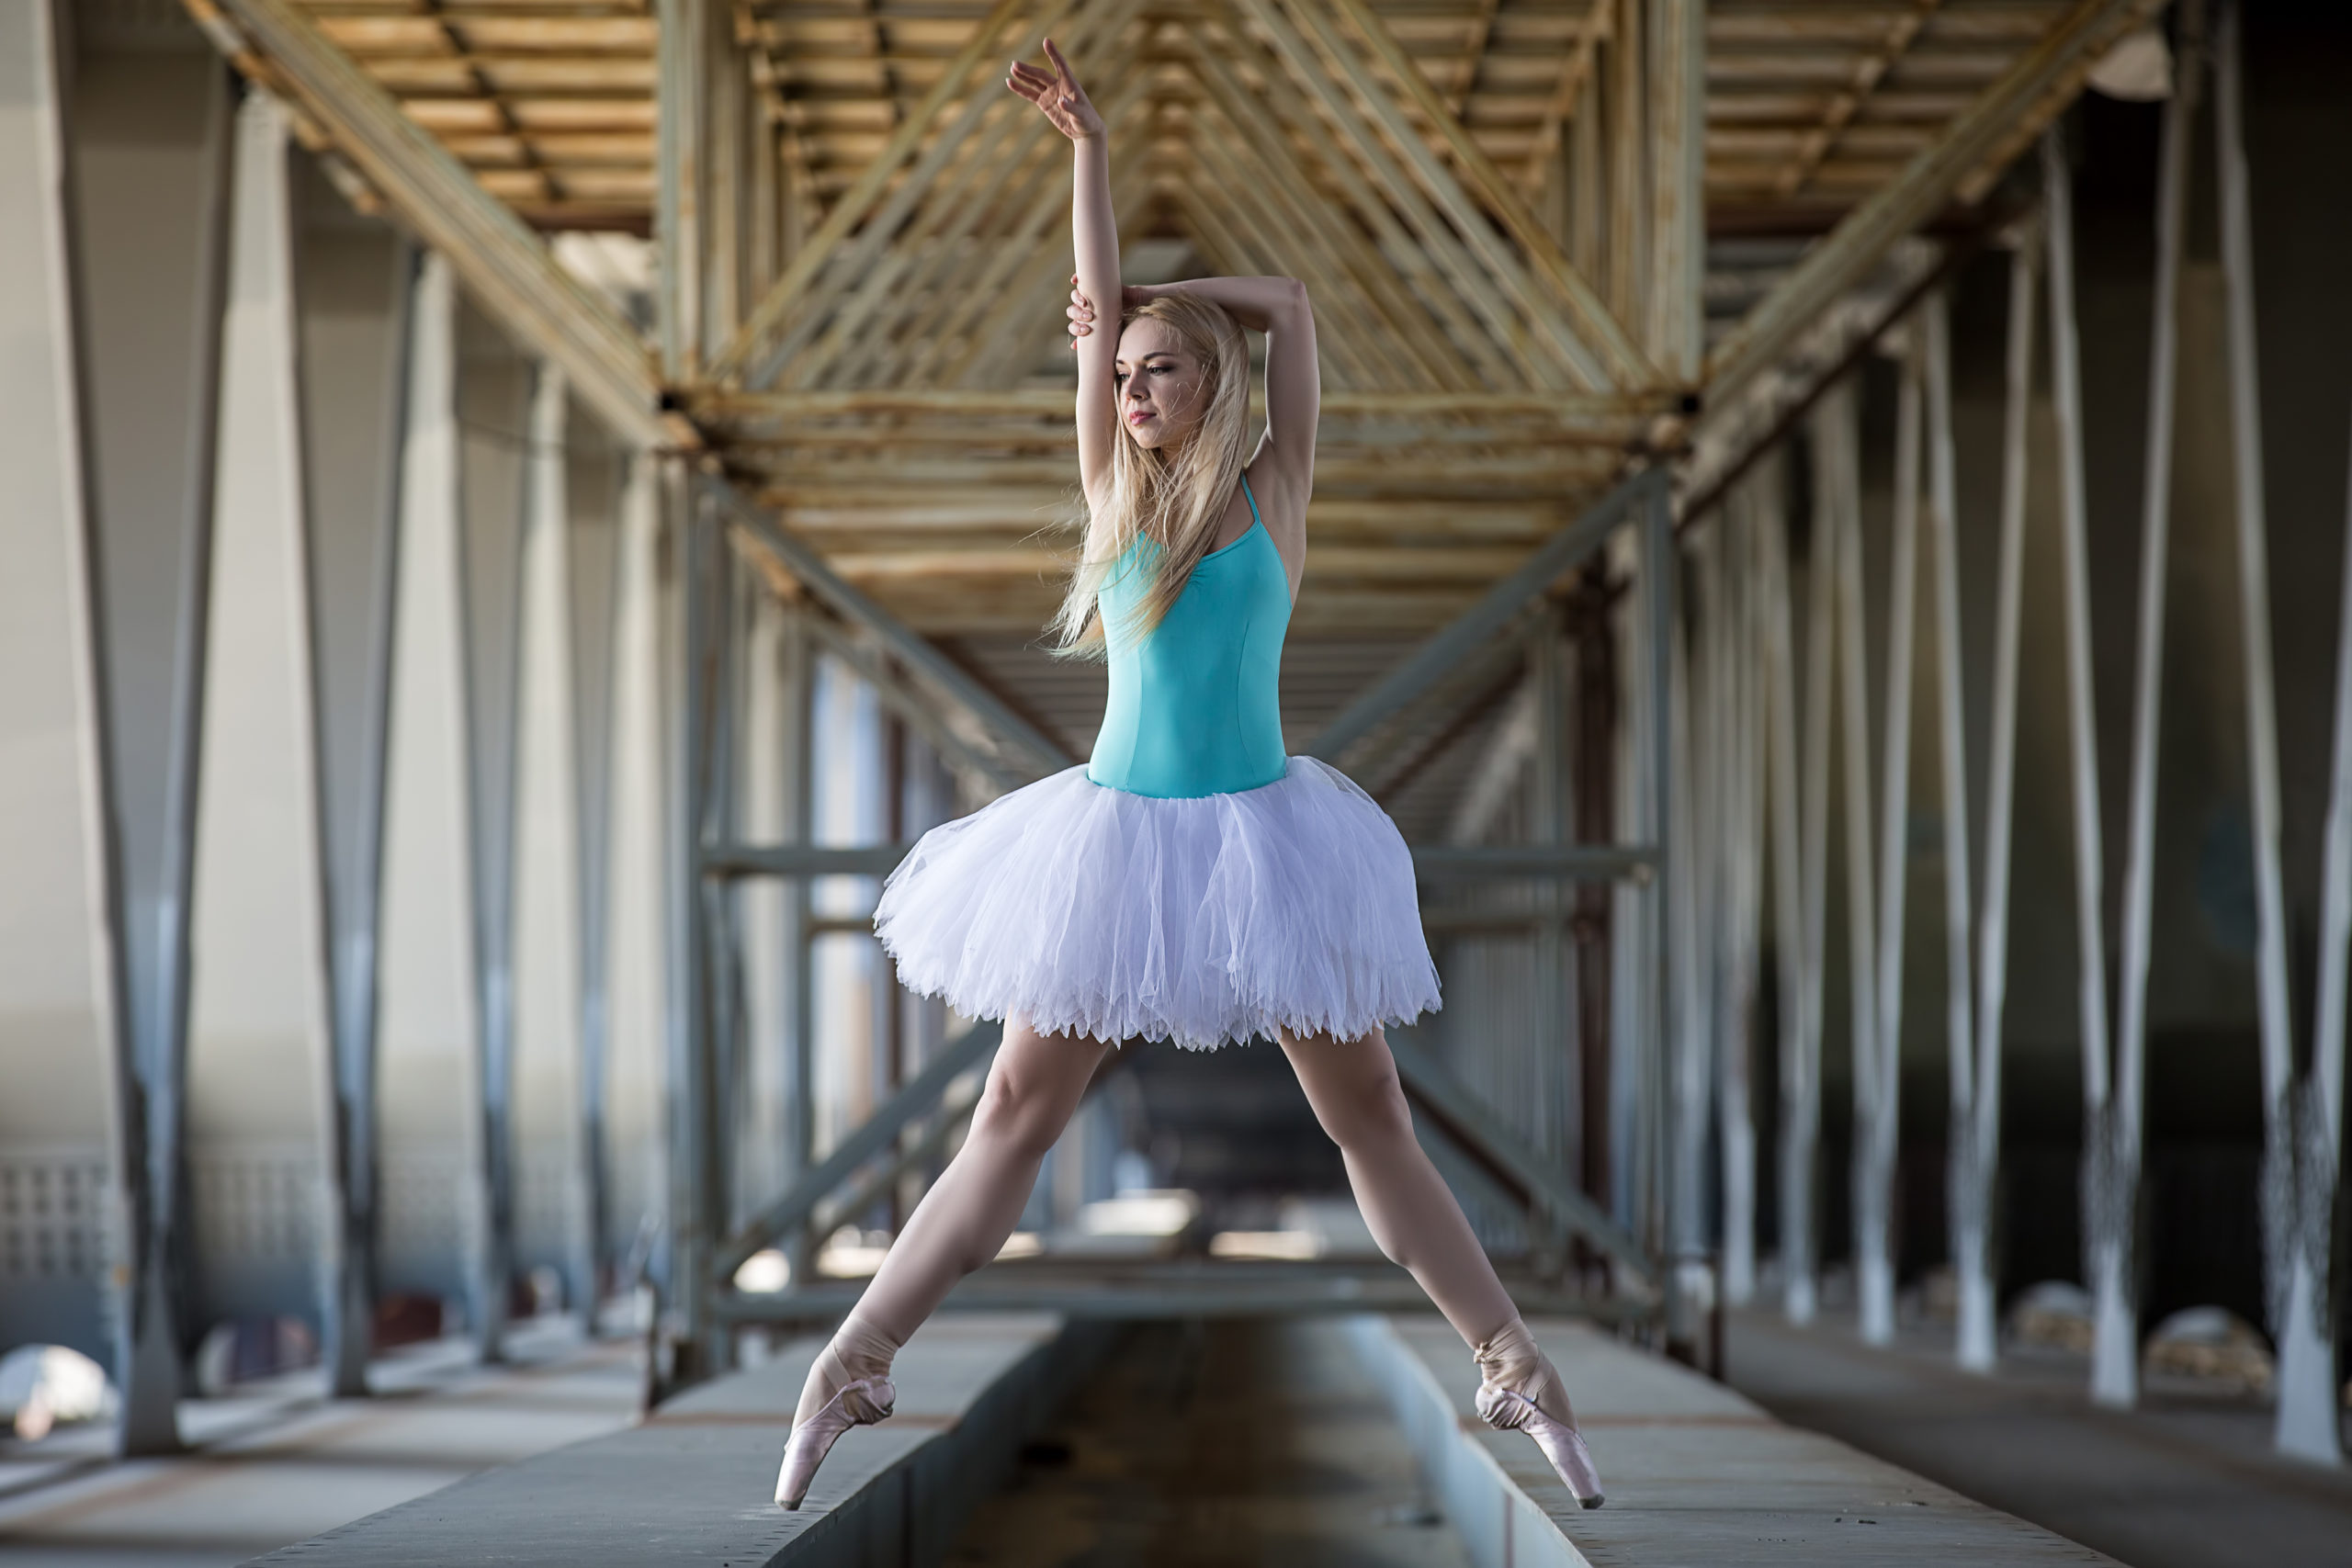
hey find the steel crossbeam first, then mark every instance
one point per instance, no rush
(1475, 626)
(972, 1050)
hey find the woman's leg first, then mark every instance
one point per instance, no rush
(1353, 1087)
(1032, 1089)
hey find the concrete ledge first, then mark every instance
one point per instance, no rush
(1696, 1475)
(692, 1484)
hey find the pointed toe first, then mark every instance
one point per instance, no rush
(860, 1403)
(1509, 1410)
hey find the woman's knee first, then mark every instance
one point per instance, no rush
(1366, 1110)
(1022, 1109)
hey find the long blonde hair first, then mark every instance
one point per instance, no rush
(1176, 503)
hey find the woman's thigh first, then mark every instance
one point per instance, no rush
(1036, 1080)
(1351, 1084)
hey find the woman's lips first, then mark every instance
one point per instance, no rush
(1139, 416)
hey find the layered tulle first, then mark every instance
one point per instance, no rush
(1093, 911)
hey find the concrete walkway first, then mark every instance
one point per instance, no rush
(2187, 1481)
(277, 1462)
(1697, 1477)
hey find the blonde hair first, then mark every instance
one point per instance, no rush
(1174, 502)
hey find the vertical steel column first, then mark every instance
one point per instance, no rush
(697, 1147)
(2300, 1169)
(1689, 957)
(1944, 502)
(2307, 1405)
(1553, 1037)
(1734, 849)
(62, 933)
(799, 955)
(149, 361)
(1878, 1091)
(352, 499)
(722, 973)
(1832, 443)
(494, 498)
(1654, 764)
(1861, 921)
(1778, 697)
(548, 798)
(2115, 1135)
(596, 613)
(2082, 729)
(1976, 1102)
(1597, 709)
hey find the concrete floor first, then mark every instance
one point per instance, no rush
(2186, 1482)
(1233, 1443)
(277, 1463)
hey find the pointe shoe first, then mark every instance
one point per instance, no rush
(1508, 1410)
(860, 1403)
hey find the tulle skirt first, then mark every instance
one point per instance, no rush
(1093, 912)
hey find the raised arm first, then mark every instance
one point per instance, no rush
(1094, 234)
(1277, 307)
(1283, 468)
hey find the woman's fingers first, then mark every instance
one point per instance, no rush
(1061, 66)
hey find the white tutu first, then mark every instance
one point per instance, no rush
(1093, 912)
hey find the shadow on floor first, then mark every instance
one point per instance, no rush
(2186, 1482)
(1233, 1443)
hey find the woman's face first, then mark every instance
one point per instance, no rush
(1162, 385)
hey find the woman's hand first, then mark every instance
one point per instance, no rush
(1058, 95)
(1082, 308)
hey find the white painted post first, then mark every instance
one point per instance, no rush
(1976, 1145)
(1878, 1093)
(2115, 1137)
(63, 970)
(636, 950)
(2300, 1172)
(2308, 1375)
(1736, 662)
(353, 282)
(763, 818)
(1943, 524)
(144, 161)
(1801, 1139)
(259, 1079)
(546, 839)
(1689, 1066)
(1779, 719)
(429, 1026)
(1861, 922)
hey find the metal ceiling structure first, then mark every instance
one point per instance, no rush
(1498, 204)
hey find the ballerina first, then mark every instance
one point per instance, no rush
(1192, 882)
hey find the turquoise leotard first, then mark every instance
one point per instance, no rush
(1195, 705)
